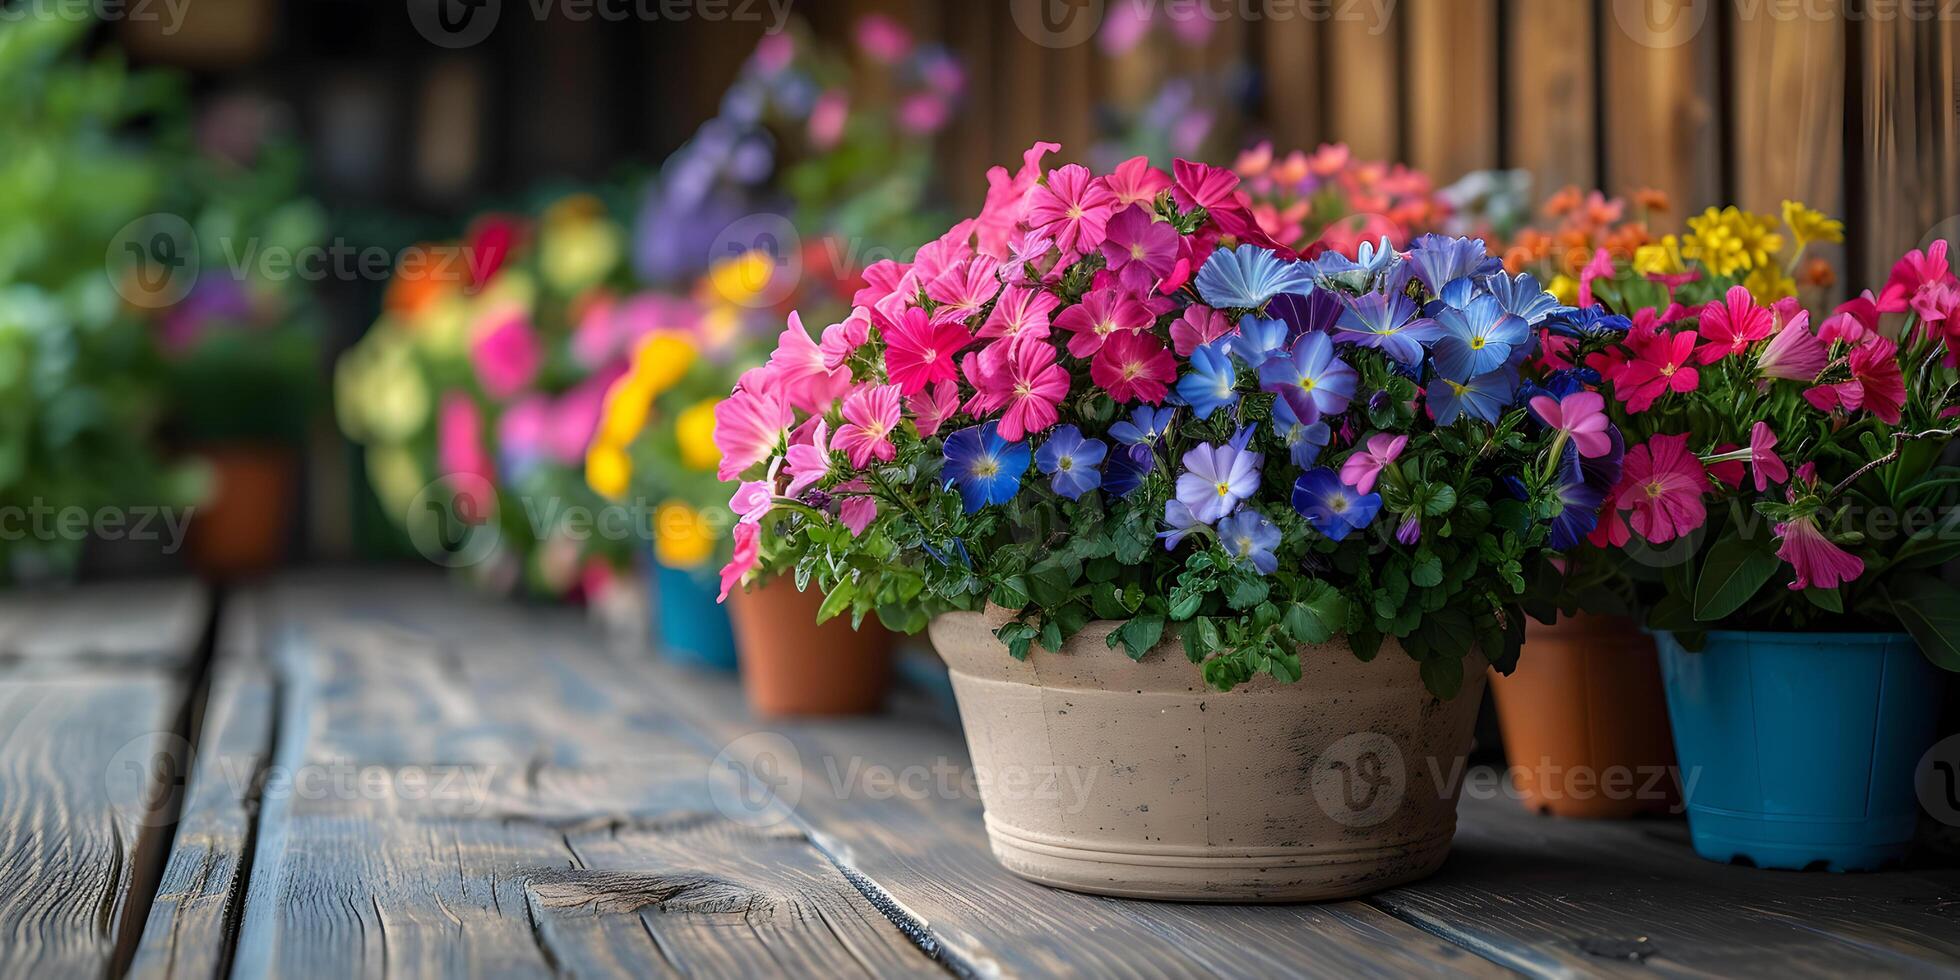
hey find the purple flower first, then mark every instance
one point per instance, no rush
(1179, 523)
(1316, 312)
(1388, 323)
(1217, 478)
(1250, 538)
(1303, 441)
(1333, 507)
(1258, 341)
(1410, 530)
(1313, 381)
(1072, 461)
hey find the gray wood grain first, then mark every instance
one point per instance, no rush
(454, 788)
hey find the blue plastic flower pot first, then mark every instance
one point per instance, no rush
(689, 627)
(1797, 749)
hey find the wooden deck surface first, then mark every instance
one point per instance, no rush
(373, 775)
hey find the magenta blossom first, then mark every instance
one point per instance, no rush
(870, 416)
(1366, 465)
(1140, 250)
(1074, 207)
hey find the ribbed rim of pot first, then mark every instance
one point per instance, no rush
(1793, 638)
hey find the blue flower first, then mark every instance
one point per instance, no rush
(1316, 312)
(1478, 340)
(1370, 260)
(1593, 322)
(1524, 298)
(1072, 461)
(1217, 478)
(1250, 538)
(1208, 387)
(1144, 427)
(1312, 380)
(1578, 514)
(1179, 522)
(1125, 469)
(1332, 507)
(1483, 397)
(1304, 441)
(986, 468)
(1387, 323)
(1247, 276)
(1258, 340)
(1440, 261)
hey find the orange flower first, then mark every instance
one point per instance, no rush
(1564, 202)
(1819, 273)
(426, 274)
(1652, 199)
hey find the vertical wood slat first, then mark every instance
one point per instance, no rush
(1450, 64)
(1910, 110)
(1364, 84)
(1786, 136)
(1550, 93)
(1662, 114)
(1289, 52)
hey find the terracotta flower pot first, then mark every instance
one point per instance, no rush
(244, 527)
(793, 666)
(1585, 721)
(1104, 775)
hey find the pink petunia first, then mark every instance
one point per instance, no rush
(748, 553)
(1794, 354)
(1730, 325)
(1852, 321)
(1199, 325)
(1027, 386)
(752, 501)
(1657, 368)
(1365, 466)
(871, 414)
(1021, 311)
(1074, 207)
(809, 462)
(889, 287)
(1007, 201)
(857, 510)
(1581, 416)
(1101, 313)
(507, 357)
(930, 409)
(1601, 267)
(920, 353)
(1819, 562)
(1875, 368)
(1213, 188)
(843, 338)
(1912, 273)
(1135, 181)
(800, 368)
(1768, 466)
(1025, 257)
(961, 291)
(1139, 249)
(1134, 367)
(751, 423)
(1663, 484)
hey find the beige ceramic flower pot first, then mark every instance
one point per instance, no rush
(1104, 775)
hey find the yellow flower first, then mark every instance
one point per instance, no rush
(1731, 240)
(1811, 226)
(661, 360)
(379, 393)
(681, 536)
(695, 428)
(578, 246)
(738, 281)
(1768, 284)
(397, 476)
(608, 470)
(625, 414)
(1662, 258)
(1565, 288)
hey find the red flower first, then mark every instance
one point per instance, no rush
(1659, 367)
(1134, 367)
(1731, 325)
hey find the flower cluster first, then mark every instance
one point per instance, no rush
(1115, 396)
(1781, 447)
(1328, 200)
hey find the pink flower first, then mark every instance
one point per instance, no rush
(858, 511)
(1912, 273)
(1029, 385)
(1366, 465)
(521, 430)
(1732, 324)
(1134, 367)
(1021, 311)
(842, 339)
(575, 416)
(1658, 367)
(931, 409)
(1601, 266)
(1072, 206)
(924, 113)
(964, 288)
(919, 353)
(1200, 325)
(1213, 188)
(1101, 313)
(1875, 368)
(1852, 321)
(870, 415)
(799, 368)
(751, 423)
(883, 39)
(1819, 562)
(889, 288)
(748, 552)
(459, 438)
(1140, 249)
(809, 462)
(1025, 255)
(828, 116)
(1135, 181)
(1769, 467)
(507, 357)
(1663, 484)
(752, 501)
(1581, 416)
(1007, 201)
(1794, 354)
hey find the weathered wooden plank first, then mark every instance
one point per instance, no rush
(1909, 108)
(1291, 63)
(1662, 102)
(1452, 70)
(1549, 895)
(1550, 93)
(456, 788)
(157, 623)
(1787, 134)
(1364, 84)
(892, 799)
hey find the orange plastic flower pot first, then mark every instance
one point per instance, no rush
(243, 527)
(1585, 721)
(792, 666)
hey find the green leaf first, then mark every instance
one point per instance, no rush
(1443, 676)
(1247, 591)
(1139, 635)
(837, 601)
(1441, 502)
(1317, 617)
(1017, 636)
(1930, 610)
(1428, 570)
(1829, 600)
(1735, 571)
(1366, 644)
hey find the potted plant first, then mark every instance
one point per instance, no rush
(1215, 539)
(1784, 480)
